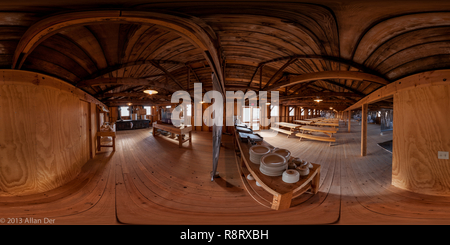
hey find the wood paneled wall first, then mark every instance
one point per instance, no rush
(421, 129)
(47, 133)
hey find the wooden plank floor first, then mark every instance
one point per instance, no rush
(150, 180)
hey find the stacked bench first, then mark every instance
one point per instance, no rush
(326, 130)
(291, 127)
(284, 131)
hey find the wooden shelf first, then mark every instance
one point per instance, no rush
(281, 192)
(174, 130)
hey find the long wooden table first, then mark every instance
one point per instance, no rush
(282, 192)
(174, 130)
(305, 122)
(329, 124)
(329, 131)
(291, 126)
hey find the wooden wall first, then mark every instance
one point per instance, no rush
(47, 133)
(421, 129)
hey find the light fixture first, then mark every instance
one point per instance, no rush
(129, 103)
(150, 91)
(331, 108)
(268, 103)
(318, 100)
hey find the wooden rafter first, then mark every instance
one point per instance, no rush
(320, 94)
(170, 75)
(110, 69)
(353, 75)
(278, 72)
(133, 94)
(423, 79)
(124, 81)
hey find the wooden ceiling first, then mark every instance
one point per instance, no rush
(116, 57)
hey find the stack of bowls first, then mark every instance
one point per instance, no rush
(303, 170)
(273, 164)
(284, 152)
(257, 151)
(291, 176)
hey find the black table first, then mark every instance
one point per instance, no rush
(132, 124)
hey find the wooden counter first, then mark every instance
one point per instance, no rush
(282, 192)
(174, 130)
(132, 124)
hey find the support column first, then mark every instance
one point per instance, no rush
(349, 117)
(364, 129)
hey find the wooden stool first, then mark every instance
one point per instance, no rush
(106, 134)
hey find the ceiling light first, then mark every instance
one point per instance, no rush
(318, 100)
(150, 91)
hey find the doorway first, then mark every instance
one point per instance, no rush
(251, 117)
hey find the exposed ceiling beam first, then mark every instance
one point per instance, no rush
(107, 90)
(344, 87)
(134, 94)
(320, 94)
(49, 26)
(304, 85)
(259, 67)
(125, 81)
(110, 69)
(429, 78)
(311, 102)
(326, 58)
(157, 65)
(277, 73)
(351, 75)
(124, 102)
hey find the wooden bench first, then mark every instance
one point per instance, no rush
(326, 124)
(329, 131)
(101, 134)
(284, 131)
(315, 137)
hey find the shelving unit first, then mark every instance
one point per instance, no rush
(277, 194)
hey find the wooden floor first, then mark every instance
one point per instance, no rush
(150, 180)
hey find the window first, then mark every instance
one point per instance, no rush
(274, 111)
(189, 110)
(124, 112)
(246, 114)
(148, 110)
(291, 111)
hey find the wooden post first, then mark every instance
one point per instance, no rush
(260, 77)
(364, 129)
(282, 201)
(349, 117)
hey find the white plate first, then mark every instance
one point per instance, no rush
(283, 152)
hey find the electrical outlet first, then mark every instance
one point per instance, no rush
(443, 155)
